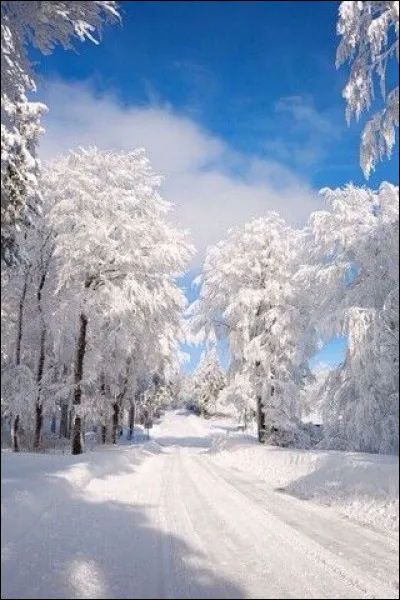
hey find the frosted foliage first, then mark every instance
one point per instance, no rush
(360, 279)
(117, 260)
(275, 294)
(313, 392)
(206, 383)
(238, 396)
(102, 248)
(369, 41)
(110, 221)
(28, 316)
(43, 25)
(247, 296)
(18, 391)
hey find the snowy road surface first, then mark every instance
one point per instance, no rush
(166, 521)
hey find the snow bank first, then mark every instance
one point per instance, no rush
(363, 487)
(77, 471)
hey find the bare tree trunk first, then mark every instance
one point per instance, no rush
(53, 426)
(39, 376)
(64, 421)
(117, 406)
(42, 356)
(78, 374)
(115, 422)
(77, 446)
(20, 322)
(131, 420)
(15, 433)
(103, 393)
(260, 421)
(16, 419)
(259, 410)
(64, 413)
(69, 429)
(38, 423)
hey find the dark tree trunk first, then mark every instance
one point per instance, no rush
(39, 376)
(20, 322)
(131, 421)
(69, 424)
(78, 374)
(40, 368)
(15, 434)
(117, 406)
(103, 393)
(259, 411)
(115, 422)
(16, 418)
(38, 423)
(77, 446)
(260, 421)
(53, 427)
(64, 421)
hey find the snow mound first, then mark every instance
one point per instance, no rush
(363, 487)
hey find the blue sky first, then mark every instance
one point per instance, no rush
(238, 103)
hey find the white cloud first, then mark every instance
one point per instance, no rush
(212, 187)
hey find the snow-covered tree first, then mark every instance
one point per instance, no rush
(43, 25)
(238, 397)
(18, 393)
(369, 41)
(248, 296)
(27, 294)
(314, 392)
(95, 313)
(117, 260)
(206, 384)
(355, 252)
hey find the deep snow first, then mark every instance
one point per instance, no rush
(363, 487)
(179, 518)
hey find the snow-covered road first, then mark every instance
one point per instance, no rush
(167, 521)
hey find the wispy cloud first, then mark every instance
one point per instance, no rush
(190, 66)
(198, 84)
(305, 116)
(307, 132)
(212, 187)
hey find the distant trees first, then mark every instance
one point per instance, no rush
(205, 384)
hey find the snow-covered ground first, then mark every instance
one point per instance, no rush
(363, 487)
(191, 514)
